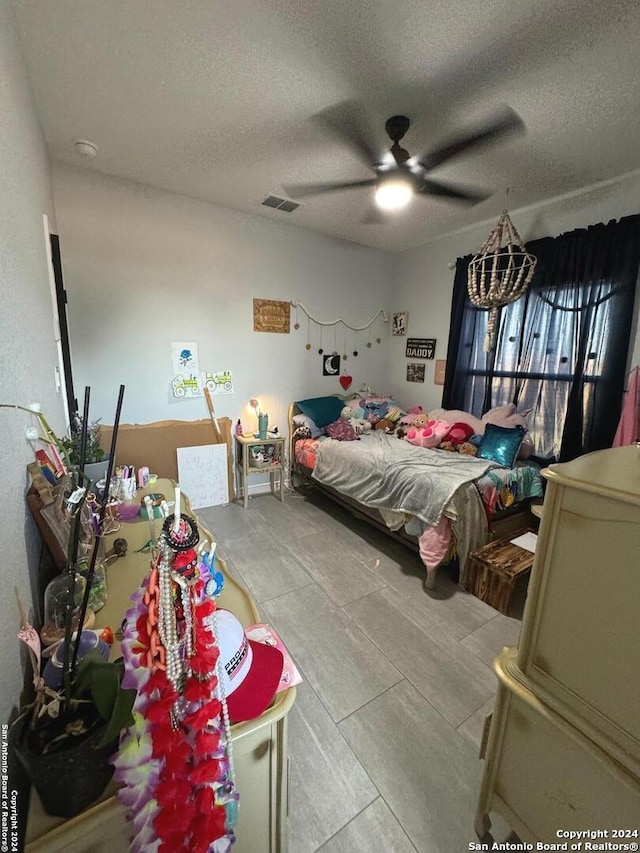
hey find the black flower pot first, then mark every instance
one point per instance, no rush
(71, 778)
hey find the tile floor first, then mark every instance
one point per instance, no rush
(385, 730)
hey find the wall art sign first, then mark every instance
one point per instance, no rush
(421, 348)
(415, 373)
(330, 365)
(439, 372)
(271, 315)
(400, 323)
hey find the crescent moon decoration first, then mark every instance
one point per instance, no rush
(330, 365)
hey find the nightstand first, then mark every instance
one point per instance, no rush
(245, 444)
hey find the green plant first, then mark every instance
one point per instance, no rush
(102, 681)
(70, 444)
(91, 694)
(96, 699)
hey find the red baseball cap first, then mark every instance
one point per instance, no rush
(251, 670)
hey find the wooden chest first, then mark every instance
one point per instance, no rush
(494, 568)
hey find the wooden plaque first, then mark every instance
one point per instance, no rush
(271, 315)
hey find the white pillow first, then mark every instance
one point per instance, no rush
(305, 420)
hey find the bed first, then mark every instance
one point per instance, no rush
(439, 502)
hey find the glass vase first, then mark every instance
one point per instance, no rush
(55, 608)
(98, 592)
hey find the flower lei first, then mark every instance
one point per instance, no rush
(175, 762)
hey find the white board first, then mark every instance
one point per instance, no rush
(202, 474)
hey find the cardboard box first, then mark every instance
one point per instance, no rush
(155, 444)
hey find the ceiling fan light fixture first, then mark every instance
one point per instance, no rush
(394, 193)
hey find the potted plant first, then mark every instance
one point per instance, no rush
(65, 735)
(65, 738)
(95, 458)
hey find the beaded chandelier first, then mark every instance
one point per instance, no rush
(500, 273)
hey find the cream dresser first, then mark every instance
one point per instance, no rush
(260, 745)
(563, 751)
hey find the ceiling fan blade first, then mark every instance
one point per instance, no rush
(375, 216)
(345, 121)
(504, 123)
(400, 155)
(300, 190)
(437, 188)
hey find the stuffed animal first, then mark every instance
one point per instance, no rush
(375, 409)
(460, 432)
(415, 436)
(385, 424)
(435, 432)
(467, 448)
(412, 419)
(454, 416)
(360, 425)
(429, 436)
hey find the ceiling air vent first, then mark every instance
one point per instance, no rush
(278, 203)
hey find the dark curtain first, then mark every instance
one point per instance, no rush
(562, 349)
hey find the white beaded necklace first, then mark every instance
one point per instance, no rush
(166, 617)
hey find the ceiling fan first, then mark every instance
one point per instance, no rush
(399, 176)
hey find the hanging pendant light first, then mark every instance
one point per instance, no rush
(500, 273)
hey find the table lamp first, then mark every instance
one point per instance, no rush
(255, 405)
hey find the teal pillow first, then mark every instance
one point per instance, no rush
(322, 410)
(501, 444)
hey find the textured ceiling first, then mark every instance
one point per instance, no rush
(212, 98)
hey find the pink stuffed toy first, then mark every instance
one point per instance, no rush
(412, 419)
(429, 436)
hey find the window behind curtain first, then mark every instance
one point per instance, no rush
(561, 350)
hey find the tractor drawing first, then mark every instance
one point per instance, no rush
(182, 385)
(218, 381)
